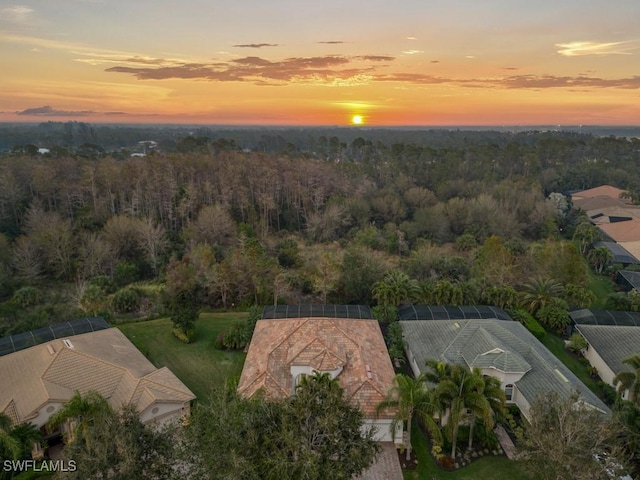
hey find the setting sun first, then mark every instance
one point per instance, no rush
(356, 120)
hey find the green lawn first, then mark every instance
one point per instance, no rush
(556, 346)
(199, 365)
(490, 467)
(601, 286)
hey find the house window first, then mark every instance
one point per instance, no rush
(508, 392)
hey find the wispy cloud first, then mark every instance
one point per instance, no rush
(412, 52)
(256, 45)
(16, 13)
(48, 111)
(260, 71)
(340, 70)
(553, 81)
(577, 49)
(333, 42)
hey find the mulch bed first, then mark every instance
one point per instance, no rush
(407, 464)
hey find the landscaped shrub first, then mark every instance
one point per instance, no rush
(238, 336)
(609, 394)
(487, 438)
(395, 343)
(385, 313)
(577, 343)
(235, 338)
(187, 336)
(126, 300)
(27, 296)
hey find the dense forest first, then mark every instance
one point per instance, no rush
(298, 216)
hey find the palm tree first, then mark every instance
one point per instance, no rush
(411, 397)
(585, 234)
(599, 257)
(16, 441)
(630, 380)
(494, 394)
(85, 409)
(394, 289)
(537, 293)
(436, 373)
(464, 390)
(9, 445)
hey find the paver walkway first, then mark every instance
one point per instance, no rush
(506, 442)
(386, 466)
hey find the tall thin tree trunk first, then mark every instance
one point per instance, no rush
(454, 440)
(472, 423)
(408, 457)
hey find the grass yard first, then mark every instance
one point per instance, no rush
(495, 468)
(199, 365)
(601, 286)
(556, 346)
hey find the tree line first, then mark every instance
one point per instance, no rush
(475, 209)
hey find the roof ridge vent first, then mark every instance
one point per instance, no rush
(67, 343)
(52, 351)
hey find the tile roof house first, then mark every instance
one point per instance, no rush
(351, 350)
(604, 195)
(37, 381)
(609, 342)
(504, 349)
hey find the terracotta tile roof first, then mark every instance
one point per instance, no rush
(605, 214)
(324, 344)
(104, 361)
(627, 231)
(601, 191)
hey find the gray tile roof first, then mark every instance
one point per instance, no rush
(451, 341)
(613, 343)
(620, 254)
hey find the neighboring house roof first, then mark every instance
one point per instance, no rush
(595, 204)
(324, 344)
(632, 279)
(586, 316)
(601, 191)
(104, 361)
(620, 254)
(627, 231)
(508, 346)
(613, 343)
(612, 214)
(632, 247)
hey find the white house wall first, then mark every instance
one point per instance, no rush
(604, 371)
(161, 413)
(415, 368)
(505, 378)
(383, 431)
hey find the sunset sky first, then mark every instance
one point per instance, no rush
(321, 62)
